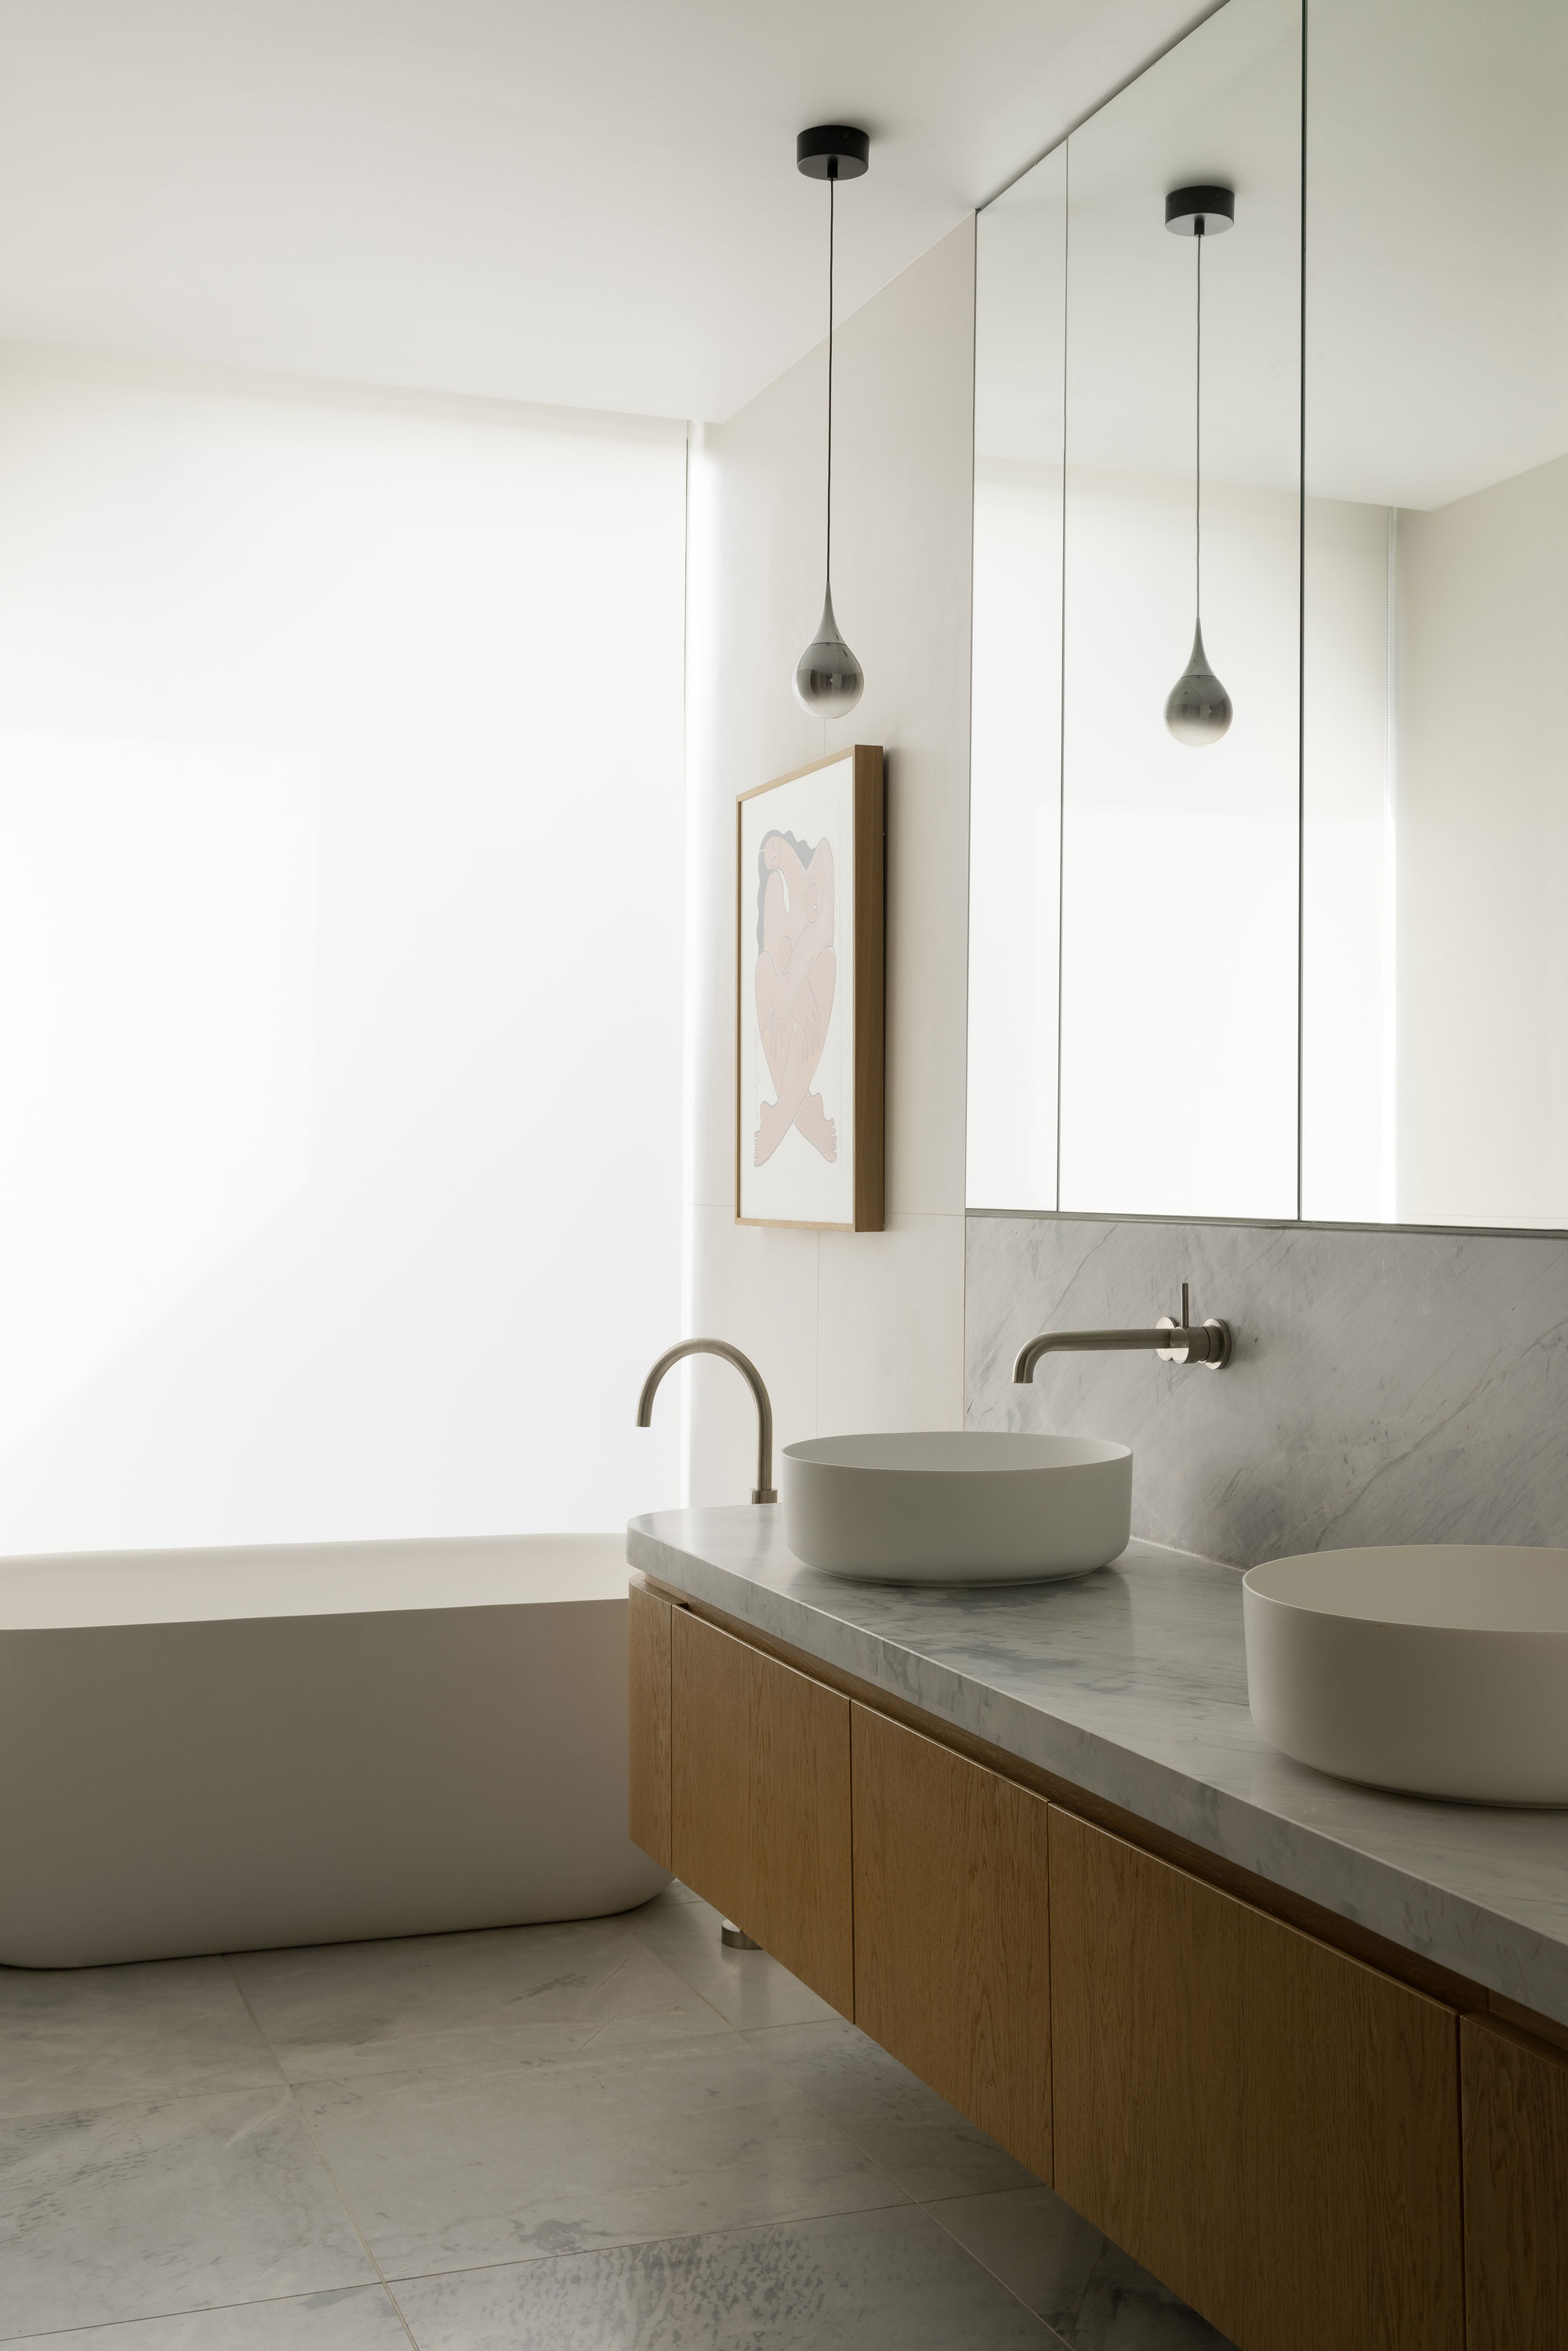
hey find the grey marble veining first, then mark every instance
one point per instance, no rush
(141, 2210)
(1386, 1386)
(448, 2169)
(1132, 1684)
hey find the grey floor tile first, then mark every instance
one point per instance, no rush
(450, 2168)
(126, 2211)
(747, 1986)
(75, 2037)
(879, 2281)
(453, 2000)
(355, 2318)
(1094, 2295)
(920, 2141)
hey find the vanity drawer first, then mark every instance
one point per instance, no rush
(1268, 2124)
(951, 1929)
(760, 1813)
(648, 1807)
(1516, 2190)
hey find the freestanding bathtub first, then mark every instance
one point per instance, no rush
(213, 1751)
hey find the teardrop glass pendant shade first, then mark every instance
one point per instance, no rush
(829, 681)
(1198, 709)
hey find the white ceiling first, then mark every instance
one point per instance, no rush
(592, 203)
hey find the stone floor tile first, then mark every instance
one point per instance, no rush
(884, 2281)
(352, 2318)
(126, 2211)
(916, 2138)
(1095, 2297)
(78, 2037)
(506, 1992)
(448, 2168)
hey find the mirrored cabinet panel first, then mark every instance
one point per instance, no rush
(1015, 807)
(1179, 847)
(1434, 1068)
(1292, 939)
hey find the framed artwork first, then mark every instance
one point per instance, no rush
(812, 862)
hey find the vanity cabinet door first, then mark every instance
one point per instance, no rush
(1145, 2025)
(760, 1802)
(1516, 2190)
(1268, 2125)
(1351, 2152)
(951, 1929)
(648, 1810)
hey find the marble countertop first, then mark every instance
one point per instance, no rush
(1131, 1682)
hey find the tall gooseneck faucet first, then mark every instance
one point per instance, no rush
(749, 1372)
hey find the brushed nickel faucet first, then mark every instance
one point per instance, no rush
(743, 1364)
(1210, 1343)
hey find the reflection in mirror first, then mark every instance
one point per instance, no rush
(1016, 742)
(1179, 938)
(1134, 945)
(1435, 1075)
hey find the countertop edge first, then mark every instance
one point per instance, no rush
(1419, 1914)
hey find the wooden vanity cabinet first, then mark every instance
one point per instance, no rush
(1516, 2189)
(1268, 2124)
(759, 1800)
(648, 1807)
(951, 1928)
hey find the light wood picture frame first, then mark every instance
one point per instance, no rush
(810, 995)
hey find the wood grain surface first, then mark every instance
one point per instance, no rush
(951, 1929)
(1350, 2153)
(1516, 2190)
(760, 1802)
(648, 1810)
(1146, 2058)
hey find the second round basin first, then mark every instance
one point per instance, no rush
(1438, 1668)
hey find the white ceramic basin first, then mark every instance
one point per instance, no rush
(1441, 1668)
(956, 1507)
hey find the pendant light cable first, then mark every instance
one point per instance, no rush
(1197, 441)
(832, 190)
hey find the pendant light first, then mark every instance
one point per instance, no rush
(1198, 709)
(829, 680)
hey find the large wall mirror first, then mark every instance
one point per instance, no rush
(1314, 965)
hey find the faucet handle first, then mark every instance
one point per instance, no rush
(1220, 1340)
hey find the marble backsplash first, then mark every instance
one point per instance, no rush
(1386, 1386)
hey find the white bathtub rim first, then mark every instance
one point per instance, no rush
(70, 1591)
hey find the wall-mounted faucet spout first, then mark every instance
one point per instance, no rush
(748, 1371)
(1209, 1344)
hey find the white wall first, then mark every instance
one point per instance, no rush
(1483, 849)
(850, 1330)
(340, 901)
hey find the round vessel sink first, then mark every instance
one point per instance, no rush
(1438, 1668)
(956, 1506)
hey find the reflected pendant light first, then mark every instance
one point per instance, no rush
(827, 678)
(1198, 709)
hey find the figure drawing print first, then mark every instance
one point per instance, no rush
(809, 926)
(796, 982)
